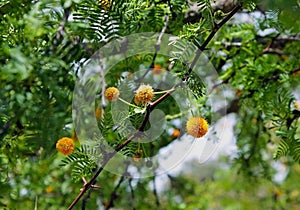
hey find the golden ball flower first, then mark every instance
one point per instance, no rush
(112, 94)
(144, 94)
(65, 145)
(197, 127)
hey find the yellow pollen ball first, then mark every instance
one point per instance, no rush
(197, 127)
(144, 94)
(112, 94)
(65, 145)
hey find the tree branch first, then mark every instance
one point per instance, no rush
(131, 193)
(113, 194)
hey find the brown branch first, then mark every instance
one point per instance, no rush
(295, 71)
(151, 106)
(113, 194)
(131, 193)
(85, 200)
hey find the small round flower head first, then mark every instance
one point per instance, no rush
(144, 94)
(65, 145)
(197, 127)
(112, 94)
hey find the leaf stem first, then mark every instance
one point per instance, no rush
(129, 104)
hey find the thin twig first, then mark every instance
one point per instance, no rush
(157, 48)
(61, 28)
(36, 203)
(216, 28)
(103, 87)
(131, 193)
(113, 194)
(155, 193)
(85, 200)
(150, 107)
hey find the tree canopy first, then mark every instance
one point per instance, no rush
(94, 92)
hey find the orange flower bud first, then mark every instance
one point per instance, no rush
(175, 133)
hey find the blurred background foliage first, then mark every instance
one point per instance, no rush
(45, 43)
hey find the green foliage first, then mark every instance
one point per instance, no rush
(45, 46)
(211, 186)
(82, 162)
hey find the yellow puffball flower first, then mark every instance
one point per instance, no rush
(144, 94)
(112, 94)
(197, 127)
(65, 145)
